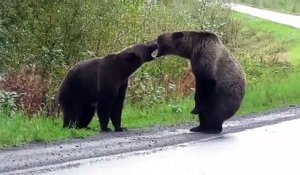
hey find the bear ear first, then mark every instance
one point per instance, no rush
(177, 35)
(131, 57)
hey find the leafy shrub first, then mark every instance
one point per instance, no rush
(8, 102)
(175, 108)
(144, 91)
(29, 85)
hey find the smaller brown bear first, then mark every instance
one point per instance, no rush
(220, 80)
(100, 84)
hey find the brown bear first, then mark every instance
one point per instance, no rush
(100, 84)
(220, 80)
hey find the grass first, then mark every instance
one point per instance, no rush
(279, 84)
(270, 85)
(19, 129)
(272, 93)
(286, 37)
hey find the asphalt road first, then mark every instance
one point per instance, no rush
(267, 150)
(41, 158)
(282, 18)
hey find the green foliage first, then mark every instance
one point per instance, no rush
(20, 129)
(272, 71)
(175, 108)
(274, 90)
(144, 92)
(48, 37)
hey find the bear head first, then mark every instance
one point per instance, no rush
(139, 53)
(130, 59)
(182, 43)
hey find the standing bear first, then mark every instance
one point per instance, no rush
(220, 80)
(100, 84)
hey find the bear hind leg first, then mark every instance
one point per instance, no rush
(211, 125)
(210, 122)
(86, 117)
(204, 91)
(208, 126)
(70, 117)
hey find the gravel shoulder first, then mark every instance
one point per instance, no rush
(29, 157)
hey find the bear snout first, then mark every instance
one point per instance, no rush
(160, 51)
(151, 47)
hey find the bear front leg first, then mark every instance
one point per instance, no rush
(196, 98)
(117, 108)
(104, 106)
(87, 116)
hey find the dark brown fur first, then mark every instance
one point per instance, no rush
(100, 84)
(220, 81)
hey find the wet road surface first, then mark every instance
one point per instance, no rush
(266, 150)
(104, 150)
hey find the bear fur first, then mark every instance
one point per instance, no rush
(100, 84)
(220, 80)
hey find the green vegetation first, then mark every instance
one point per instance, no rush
(287, 6)
(287, 38)
(276, 79)
(19, 129)
(280, 90)
(268, 52)
(41, 40)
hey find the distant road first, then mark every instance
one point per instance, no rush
(282, 18)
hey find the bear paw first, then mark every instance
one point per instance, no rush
(212, 131)
(121, 129)
(206, 131)
(195, 129)
(105, 129)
